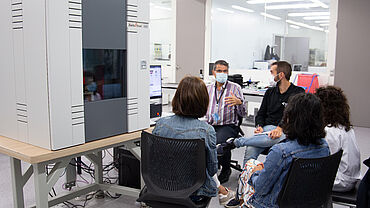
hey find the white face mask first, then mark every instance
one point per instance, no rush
(272, 81)
(221, 77)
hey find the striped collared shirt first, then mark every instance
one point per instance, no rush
(221, 114)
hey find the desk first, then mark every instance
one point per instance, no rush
(251, 95)
(39, 158)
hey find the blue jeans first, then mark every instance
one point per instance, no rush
(257, 144)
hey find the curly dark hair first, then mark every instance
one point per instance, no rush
(303, 120)
(335, 107)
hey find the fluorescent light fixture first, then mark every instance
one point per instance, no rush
(269, 1)
(324, 25)
(291, 6)
(318, 2)
(294, 26)
(162, 7)
(322, 21)
(317, 18)
(225, 10)
(241, 8)
(305, 25)
(304, 14)
(270, 16)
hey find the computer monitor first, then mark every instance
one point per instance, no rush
(210, 68)
(297, 67)
(155, 81)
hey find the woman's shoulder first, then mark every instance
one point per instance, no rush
(185, 122)
(291, 146)
(204, 125)
(165, 119)
(338, 131)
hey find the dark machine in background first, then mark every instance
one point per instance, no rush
(104, 68)
(237, 78)
(128, 168)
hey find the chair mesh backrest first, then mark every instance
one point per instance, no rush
(172, 165)
(309, 181)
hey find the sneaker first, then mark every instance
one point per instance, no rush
(224, 199)
(230, 143)
(233, 203)
(220, 149)
(224, 175)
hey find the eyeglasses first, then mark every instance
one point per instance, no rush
(222, 71)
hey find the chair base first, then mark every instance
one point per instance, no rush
(161, 202)
(236, 166)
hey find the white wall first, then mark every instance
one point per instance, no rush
(160, 26)
(161, 31)
(318, 39)
(352, 57)
(332, 39)
(241, 38)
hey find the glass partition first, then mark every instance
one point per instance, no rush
(252, 32)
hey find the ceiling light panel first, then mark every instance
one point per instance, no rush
(305, 14)
(317, 18)
(270, 1)
(291, 6)
(225, 10)
(318, 2)
(322, 21)
(294, 26)
(241, 8)
(270, 16)
(305, 25)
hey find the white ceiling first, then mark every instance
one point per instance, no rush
(162, 5)
(282, 13)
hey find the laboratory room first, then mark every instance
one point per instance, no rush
(184, 103)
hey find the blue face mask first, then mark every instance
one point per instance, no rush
(221, 77)
(91, 87)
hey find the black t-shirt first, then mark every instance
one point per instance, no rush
(273, 104)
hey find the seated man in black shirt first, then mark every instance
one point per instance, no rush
(268, 131)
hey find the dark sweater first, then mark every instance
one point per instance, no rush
(273, 104)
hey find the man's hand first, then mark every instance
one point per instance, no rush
(258, 168)
(232, 100)
(276, 133)
(258, 130)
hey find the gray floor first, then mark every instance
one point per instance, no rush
(362, 135)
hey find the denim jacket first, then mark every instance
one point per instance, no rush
(268, 182)
(179, 127)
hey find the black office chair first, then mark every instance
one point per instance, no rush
(173, 169)
(363, 193)
(234, 163)
(348, 198)
(309, 182)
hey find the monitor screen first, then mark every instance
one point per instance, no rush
(211, 65)
(155, 81)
